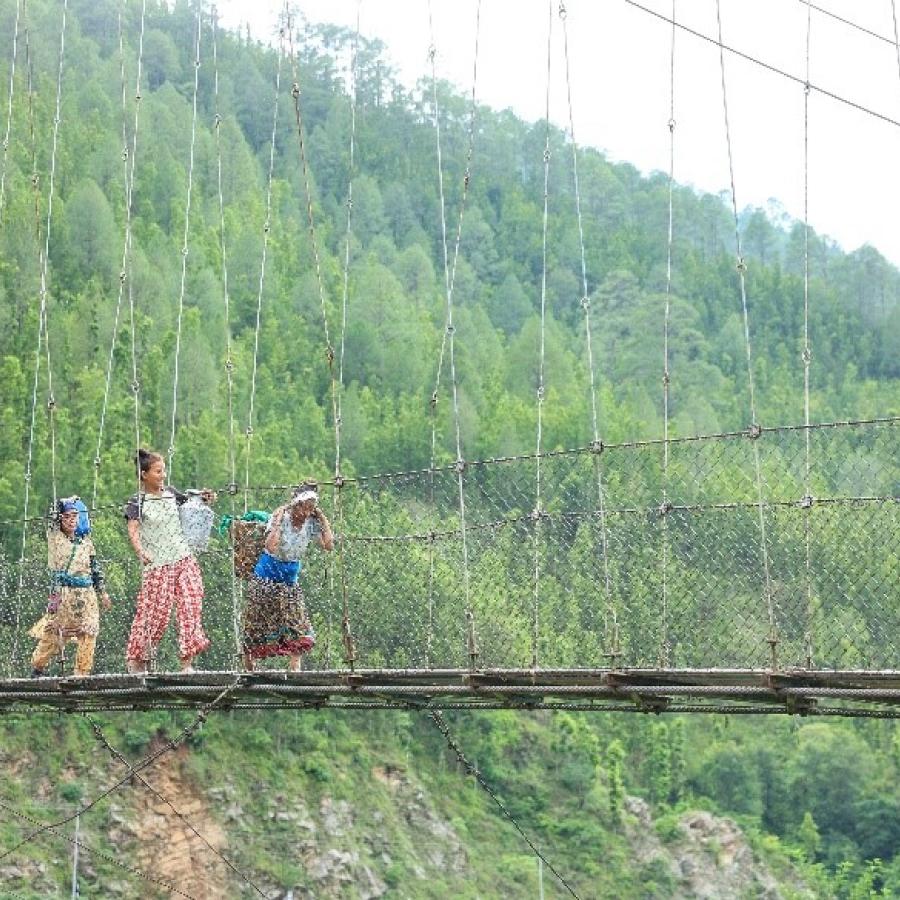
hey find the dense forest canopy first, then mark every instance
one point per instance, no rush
(396, 298)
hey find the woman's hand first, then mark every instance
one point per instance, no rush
(208, 496)
(105, 601)
(145, 558)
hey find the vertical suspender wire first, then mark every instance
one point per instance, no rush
(262, 264)
(128, 158)
(471, 636)
(347, 638)
(807, 356)
(229, 361)
(45, 262)
(345, 297)
(611, 629)
(753, 432)
(9, 108)
(449, 281)
(43, 331)
(127, 259)
(184, 244)
(664, 648)
(537, 514)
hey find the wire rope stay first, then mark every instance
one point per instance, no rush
(450, 330)
(129, 156)
(184, 245)
(741, 266)
(440, 724)
(45, 827)
(119, 757)
(146, 762)
(9, 107)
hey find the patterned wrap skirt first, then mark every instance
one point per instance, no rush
(275, 621)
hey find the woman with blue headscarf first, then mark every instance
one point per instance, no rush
(76, 582)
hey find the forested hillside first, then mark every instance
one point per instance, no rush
(818, 802)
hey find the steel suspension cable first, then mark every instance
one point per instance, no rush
(450, 329)
(754, 425)
(664, 648)
(449, 282)
(129, 155)
(346, 633)
(775, 70)
(43, 336)
(229, 359)
(9, 107)
(347, 638)
(842, 20)
(806, 356)
(184, 244)
(538, 512)
(611, 626)
(262, 266)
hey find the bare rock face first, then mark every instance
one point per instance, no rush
(706, 857)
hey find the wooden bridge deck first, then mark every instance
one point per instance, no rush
(735, 691)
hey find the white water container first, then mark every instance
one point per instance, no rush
(196, 521)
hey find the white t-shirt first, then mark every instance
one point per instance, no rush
(160, 526)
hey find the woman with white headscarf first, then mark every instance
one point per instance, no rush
(275, 622)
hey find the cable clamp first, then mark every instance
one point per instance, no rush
(266, 227)
(671, 126)
(546, 154)
(741, 264)
(665, 378)
(451, 329)
(171, 450)
(122, 276)
(35, 179)
(807, 87)
(806, 355)
(807, 502)
(229, 364)
(434, 399)
(754, 432)
(184, 250)
(339, 481)
(232, 488)
(596, 446)
(537, 514)
(459, 466)
(329, 354)
(540, 392)
(585, 303)
(432, 52)
(562, 10)
(135, 387)
(97, 462)
(124, 154)
(665, 508)
(51, 403)
(295, 91)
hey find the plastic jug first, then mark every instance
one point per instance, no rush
(196, 521)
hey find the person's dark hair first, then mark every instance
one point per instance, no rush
(144, 459)
(308, 484)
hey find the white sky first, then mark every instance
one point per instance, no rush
(619, 59)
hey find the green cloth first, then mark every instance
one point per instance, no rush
(252, 515)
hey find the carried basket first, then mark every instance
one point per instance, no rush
(248, 541)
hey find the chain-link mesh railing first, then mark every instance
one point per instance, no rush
(798, 581)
